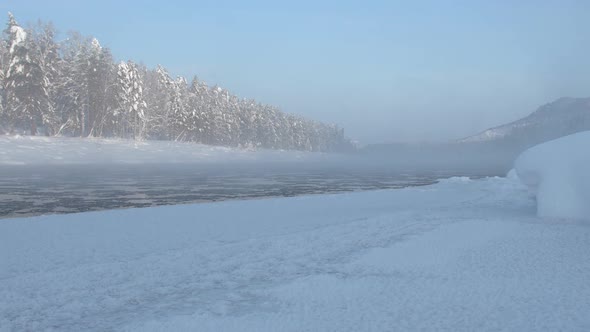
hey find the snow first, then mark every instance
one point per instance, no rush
(95, 44)
(461, 255)
(561, 117)
(36, 150)
(558, 174)
(20, 36)
(487, 135)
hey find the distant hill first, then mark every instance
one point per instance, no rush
(494, 150)
(562, 117)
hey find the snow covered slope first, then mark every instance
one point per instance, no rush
(460, 255)
(34, 150)
(558, 172)
(562, 117)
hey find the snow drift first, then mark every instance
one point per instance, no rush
(558, 174)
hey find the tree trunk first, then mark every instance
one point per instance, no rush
(33, 127)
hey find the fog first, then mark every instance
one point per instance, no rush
(66, 175)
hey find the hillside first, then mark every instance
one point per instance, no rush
(561, 117)
(494, 149)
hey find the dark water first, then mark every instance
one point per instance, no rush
(36, 190)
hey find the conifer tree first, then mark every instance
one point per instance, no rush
(74, 88)
(131, 112)
(25, 89)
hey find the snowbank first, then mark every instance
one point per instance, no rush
(558, 173)
(34, 150)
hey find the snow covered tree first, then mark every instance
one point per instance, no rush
(99, 76)
(156, 98)
(24, 82)
(74, 88)
(3, 67)
(219, 117)
(130, 115)
(46, 51)
(85, 86)
(199, 124)
(171, 113)
(247, 117)
(179, 110)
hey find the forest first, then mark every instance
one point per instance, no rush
(74, 87)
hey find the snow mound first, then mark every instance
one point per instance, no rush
(456, 179)
(557, 172)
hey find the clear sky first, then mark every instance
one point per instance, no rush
(384, 70)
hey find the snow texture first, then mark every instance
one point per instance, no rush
(558, 173)
(30, 150)
(460, 255)
(20, 36)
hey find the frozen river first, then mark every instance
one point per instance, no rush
(36, 190)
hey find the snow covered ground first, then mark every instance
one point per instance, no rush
(460, 255)
(36, 150)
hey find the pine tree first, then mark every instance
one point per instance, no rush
(167, 87)
(85, 87)
(3, 67)
(199, 122)
(74, 88)
(26, 94)
(131, 113)
(219, 117)
(247, 121)
(46, 51)
(71, 86)
(179, 110)
(99, 76)
(157, 97)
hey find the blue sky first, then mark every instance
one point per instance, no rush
(385, 71)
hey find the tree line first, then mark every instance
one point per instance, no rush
(75, 88)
